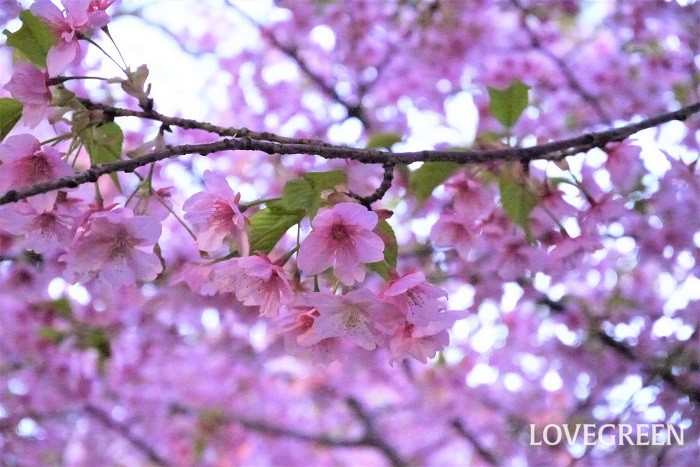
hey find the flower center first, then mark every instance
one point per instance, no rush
(339, 232)
(352, 318)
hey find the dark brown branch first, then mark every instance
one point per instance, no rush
(485, 454)
(190, 124)
(381, 191)
(555, 150)
(124, 431)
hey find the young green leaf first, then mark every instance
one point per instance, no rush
(507, 105)
(325, 180)
(104, 144)
(304, 194)
(383, 140)
(391, 250)
(297, 196)
(33, 40)
(10, 113)
(269, 225)
(517, 200)
(428, 176)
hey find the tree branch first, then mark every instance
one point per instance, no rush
(661, 372)
(372, 436)
(485, 454)
(564, 68)
(369, 439)
(555, 150)
(124, 431)
(381, 191)
(189, 124)
(292, 53)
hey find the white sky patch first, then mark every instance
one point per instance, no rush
(482, 374)
(56, 288)
(211, 320)
(552, 381)
(79, 293)
(323, 36)
(512, 293)
(512, 382)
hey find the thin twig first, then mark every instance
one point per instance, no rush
(353, 110)
(564, 68)
(381, 190)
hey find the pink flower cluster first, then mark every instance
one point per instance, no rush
(407, 314)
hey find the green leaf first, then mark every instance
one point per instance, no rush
(98, 339)
(391, 250)
(297, 195)
(62, 307)
(321, 181)
(325, 180)
(10, 113)
(304, 194)
(104, 144)
(51, 334)
(33, 40)
(383, 140)
(391, 247)
(269, 225)
(517, 200)
(507, 105)
(428, 176)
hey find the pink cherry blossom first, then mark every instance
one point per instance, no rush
(28, 85)
(357, 315)
(115, 247)
(256, 281)
(341, 238)
(78, 16)
(624, 164)
(97, 5)
(25, 163)
(417, 299)
(472, 201)
(302, 320)
(262, 283)
(216, 216)
(43, 231)
(421, 343)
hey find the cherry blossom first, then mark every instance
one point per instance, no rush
(77, 17)
(25, 163)
(341, 238)
(43, 231)
(256, 281)
(357, 315)
(216, 215)
(415, 297)
(28, 84)
(114, 247)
